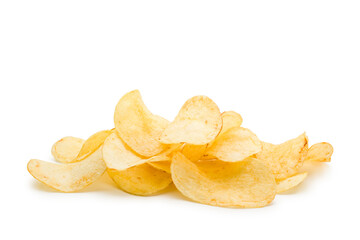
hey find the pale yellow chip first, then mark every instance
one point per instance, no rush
(285, 159)
(230, 119)
(198, 122)
(141, 180)
(236, 144)
(290, 182)
(68, 177)
(118, 156)
(246, 184)
(137, 126)
(66, 149)
(162, 165)
(320, 152)
(194, 152)
(93, 143)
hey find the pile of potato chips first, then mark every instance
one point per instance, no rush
(208, 156)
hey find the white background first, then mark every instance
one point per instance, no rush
(286, 66)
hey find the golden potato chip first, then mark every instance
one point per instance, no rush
(141, 179)
(66, 149)
(68, 177)
(93, 143)
(162, 165)
(166, 154)
(236, 144)
(193, 152)
(137, 126)
(247, 184)
(198, 122)
(118, 156)
(230, 119)
(320, 152)
(285, 159)
(290, 182)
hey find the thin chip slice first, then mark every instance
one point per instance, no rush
(320, 152)
(246, 184)
(163, 165)
(194, 152)
(141, 180)
(230, 119)
(93, 143)
(198, 122)
(236, 144)
(137, 126)
(66, 149)
(285, 159)
(68, 177)
(290, 182)
(166, 154)
(118, 156)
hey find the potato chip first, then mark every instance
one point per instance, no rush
(320, 152)
(137, 126)
(118, 156)
(290, 182)
(247, 184)
(193, 152)
(236, 144)
(162, 165)
(230, 119)
(66, 149)
(285, 159)
(141, 179)
(68, 177)
(92, 144)
(198, 122)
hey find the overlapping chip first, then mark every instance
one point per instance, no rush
(66, 149)
(208, 155)
(285, 159)
(137, 126)
(248, 183)
(198, 122)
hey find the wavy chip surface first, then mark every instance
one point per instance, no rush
(66, 149)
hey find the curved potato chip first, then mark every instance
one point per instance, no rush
(230, 119)
(66, 149)
(290, 182)
(247, 184)
(320, 152)
(68, 177)
(118, 156)
(194, 152)
(236, 144)
(141, 179)
(198, 122)
(286, 158)
(93, 143)
(137, 126)
(162, 165)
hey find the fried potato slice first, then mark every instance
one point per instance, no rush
(285, 159)
(198, 122)
(137, 126)
(320, 152)
(290, 182)
(68, 177)
(66, 149)
(118, 156)
(141, 179)
(236, 144)
(246, 184)
(162, 165)
(93, 143)
(230, 119)
(194, 152)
